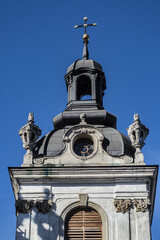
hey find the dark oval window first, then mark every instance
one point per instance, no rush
(83, 147)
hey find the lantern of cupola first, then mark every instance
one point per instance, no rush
(85, 80)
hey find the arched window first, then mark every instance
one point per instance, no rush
(84, 88)
(83, 223)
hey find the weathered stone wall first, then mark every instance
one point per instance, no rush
(124, 214)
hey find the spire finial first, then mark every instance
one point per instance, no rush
(85, 54)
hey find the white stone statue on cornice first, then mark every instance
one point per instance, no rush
(137, 133)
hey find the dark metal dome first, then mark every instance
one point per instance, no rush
(84, 63)
(115, 143)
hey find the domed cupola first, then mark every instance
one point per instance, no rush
(84, 132)
(85, 80)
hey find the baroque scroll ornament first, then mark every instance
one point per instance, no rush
(127, 159)
(39, 160)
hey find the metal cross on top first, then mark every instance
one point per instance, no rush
(85, 25)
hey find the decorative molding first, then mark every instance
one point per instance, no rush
(84, 130)
(69, 80)
(101, 138)
(66, 139)
(126, 159)
(122, 205)
(23, 206)
(44, 206)
(39, 160)
(142, 205)
(83, 199)
(15, 185)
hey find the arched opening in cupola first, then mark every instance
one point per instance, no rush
(84, 88)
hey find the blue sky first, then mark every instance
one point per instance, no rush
(38, 43)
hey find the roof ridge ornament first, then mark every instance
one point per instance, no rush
(29, 134)
(137, 133)
(83, 118)
(31, 118)
(85, 54)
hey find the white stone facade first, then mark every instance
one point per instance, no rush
(121, 195)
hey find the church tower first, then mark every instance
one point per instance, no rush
(84, 179)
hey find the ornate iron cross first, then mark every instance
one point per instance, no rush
(85, 25)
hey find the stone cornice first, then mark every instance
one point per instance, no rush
(110, 175)
(105, 175)
(83, 172)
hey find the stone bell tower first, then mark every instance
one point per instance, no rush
(84, 179)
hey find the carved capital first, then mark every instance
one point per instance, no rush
(142, 205)
(122, 205)
(44, 206)
(23, 206)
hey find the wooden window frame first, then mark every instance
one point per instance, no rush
(95, 207)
